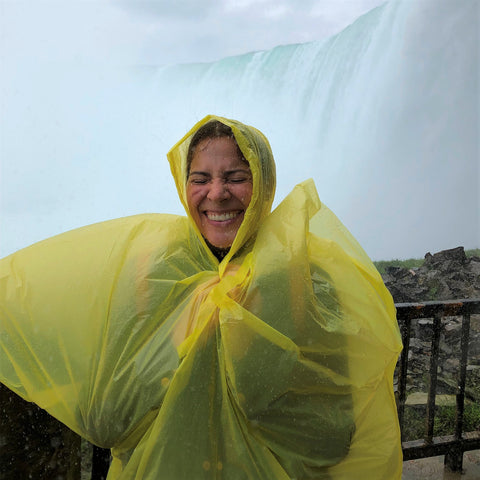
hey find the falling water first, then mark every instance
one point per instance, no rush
(384, 117)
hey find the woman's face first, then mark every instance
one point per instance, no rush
(219, 189)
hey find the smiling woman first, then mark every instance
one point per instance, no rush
(235, 343)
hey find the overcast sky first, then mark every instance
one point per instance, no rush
(163, 31)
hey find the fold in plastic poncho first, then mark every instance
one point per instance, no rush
(276, 363)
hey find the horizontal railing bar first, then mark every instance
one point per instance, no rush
(447, 308)
(416, 449)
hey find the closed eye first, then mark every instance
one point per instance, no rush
(198, 181)
(198, 178)
(238, 180)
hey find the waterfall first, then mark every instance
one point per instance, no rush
(383, 115)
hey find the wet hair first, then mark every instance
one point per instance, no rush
(211, 129)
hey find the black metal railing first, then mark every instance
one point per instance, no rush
(452, 446)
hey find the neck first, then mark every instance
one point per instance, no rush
(220, 253)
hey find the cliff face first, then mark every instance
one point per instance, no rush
(446, 275)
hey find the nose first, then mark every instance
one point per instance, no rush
(218, 191)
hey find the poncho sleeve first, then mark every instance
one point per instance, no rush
(77, 321)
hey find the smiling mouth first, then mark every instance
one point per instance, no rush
(223, 217)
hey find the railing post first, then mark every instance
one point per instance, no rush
(100, 463)
(432, 389)
(402, 372)
(454, 458)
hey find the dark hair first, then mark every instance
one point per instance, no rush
(211, 129)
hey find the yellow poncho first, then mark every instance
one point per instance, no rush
(276, 363)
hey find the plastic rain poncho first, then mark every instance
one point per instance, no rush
(276, 363)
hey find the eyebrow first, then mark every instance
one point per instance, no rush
(228, 172)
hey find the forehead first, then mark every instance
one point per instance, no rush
(222, 153)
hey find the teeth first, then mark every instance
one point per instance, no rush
(221, 217)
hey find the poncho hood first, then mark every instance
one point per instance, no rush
(258, 153)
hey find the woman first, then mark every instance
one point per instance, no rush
(235, 343)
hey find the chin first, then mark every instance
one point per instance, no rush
(219, 242)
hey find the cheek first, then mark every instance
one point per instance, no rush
(192, 204)
(246, 195)
(192, 197)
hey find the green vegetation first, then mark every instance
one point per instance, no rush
(413, 424)
(475, 252)
(444, 423)
(434, 286)
(445, 420)
(413, 262)
(409, 263)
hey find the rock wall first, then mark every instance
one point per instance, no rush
(446, 275)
